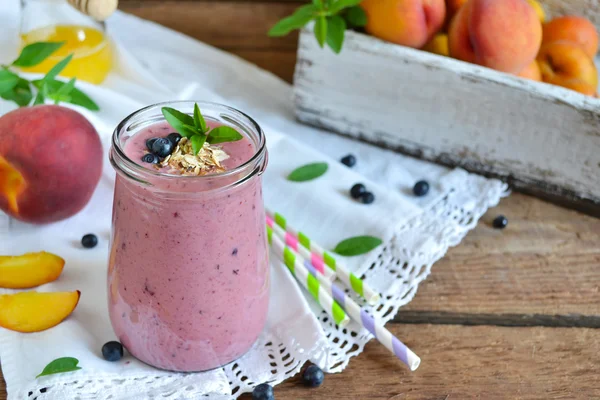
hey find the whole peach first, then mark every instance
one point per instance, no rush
(573, 29)
(406, 22)
(566, 64)
(50, 163)
(539, 10)
(532, 71)
(452, 7)
(503, 35)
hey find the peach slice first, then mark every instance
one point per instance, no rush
(34, 311)
(12, 184)
(29, 270)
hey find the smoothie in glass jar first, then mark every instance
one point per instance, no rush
(188, 275)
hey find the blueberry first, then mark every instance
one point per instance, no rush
(349, 160)
(89, 241)
(313, 376)
(112, 351)
(263, 391)
(367, 198)
(149, 143)
(150, 158)
(421, 188)
(162, 147)
(174, 138)
(500, 222)
(357, 190)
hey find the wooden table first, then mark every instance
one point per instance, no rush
(510, 314)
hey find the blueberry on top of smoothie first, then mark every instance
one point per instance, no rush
(174, 138)
(149, 143)
(162, 147)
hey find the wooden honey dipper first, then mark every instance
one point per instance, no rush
(97, 9)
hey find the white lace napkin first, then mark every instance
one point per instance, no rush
(416, 231)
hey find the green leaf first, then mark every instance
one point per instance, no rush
(197, 142)
(336, 28)
(318, 4)
(356, 246)
(308, 172)
(77, 96)
(223, 134)
(321, 30)
(57, 69)
(297, 20)
(339, 5)
(356, 16)
(199, 121)
(66, 88)
(60, 365)
(179, 120)
(8, 80)
(20, 94)
(35, 53)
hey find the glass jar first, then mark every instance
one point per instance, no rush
(84, 37)
(188, 274)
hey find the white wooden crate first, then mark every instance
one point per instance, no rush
(542, 139)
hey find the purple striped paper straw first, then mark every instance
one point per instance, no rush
(354, 311)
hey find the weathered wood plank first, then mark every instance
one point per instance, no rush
(280, 62)
(547, 261)
(228, 25)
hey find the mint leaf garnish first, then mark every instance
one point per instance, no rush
(60, 365)
(8, 80)
(57, 69)
(328, 28)
(223, 134)
(35, 53)
(196, 130)
(20, 94)
(308, 172)
(336, 28)
(356, 246)
(356, 17)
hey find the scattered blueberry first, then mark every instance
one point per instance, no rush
(421, 188)
(149, 143)
(162, 147)
(174, 138)
(500, 222)
(313, 376)
(89, 241)
(349, 160)
(150, 158)
(357, 190)
(112, 351)
(367, 198)
(263, 391)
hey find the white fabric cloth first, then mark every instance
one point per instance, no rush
(156, 64)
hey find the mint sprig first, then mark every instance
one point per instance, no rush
(331, 17)
(196, 130)
(21, 91)
(357, 245)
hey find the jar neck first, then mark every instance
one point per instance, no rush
(159, 181)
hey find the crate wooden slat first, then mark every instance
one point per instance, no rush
(543, 139)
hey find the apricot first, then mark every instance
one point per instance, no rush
(50, 163)
(406, 22)
(503, 35)
(438, 45)
(566, 64)
(539, 10)
(29, 270)
(573, 29)
(34, 311)
(532, 71)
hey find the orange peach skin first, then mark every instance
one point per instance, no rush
(452, 7)
(50, 163)
(34, 312)
(503, 35)
(438, 45)
(29, 270)
(532, 71)
(566, 64)
(573, 29)
(406, 22)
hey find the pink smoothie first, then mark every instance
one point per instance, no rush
(188, 271)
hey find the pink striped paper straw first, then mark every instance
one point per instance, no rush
(321, 259)
(302, 267)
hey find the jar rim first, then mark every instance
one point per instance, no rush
(140, 171)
